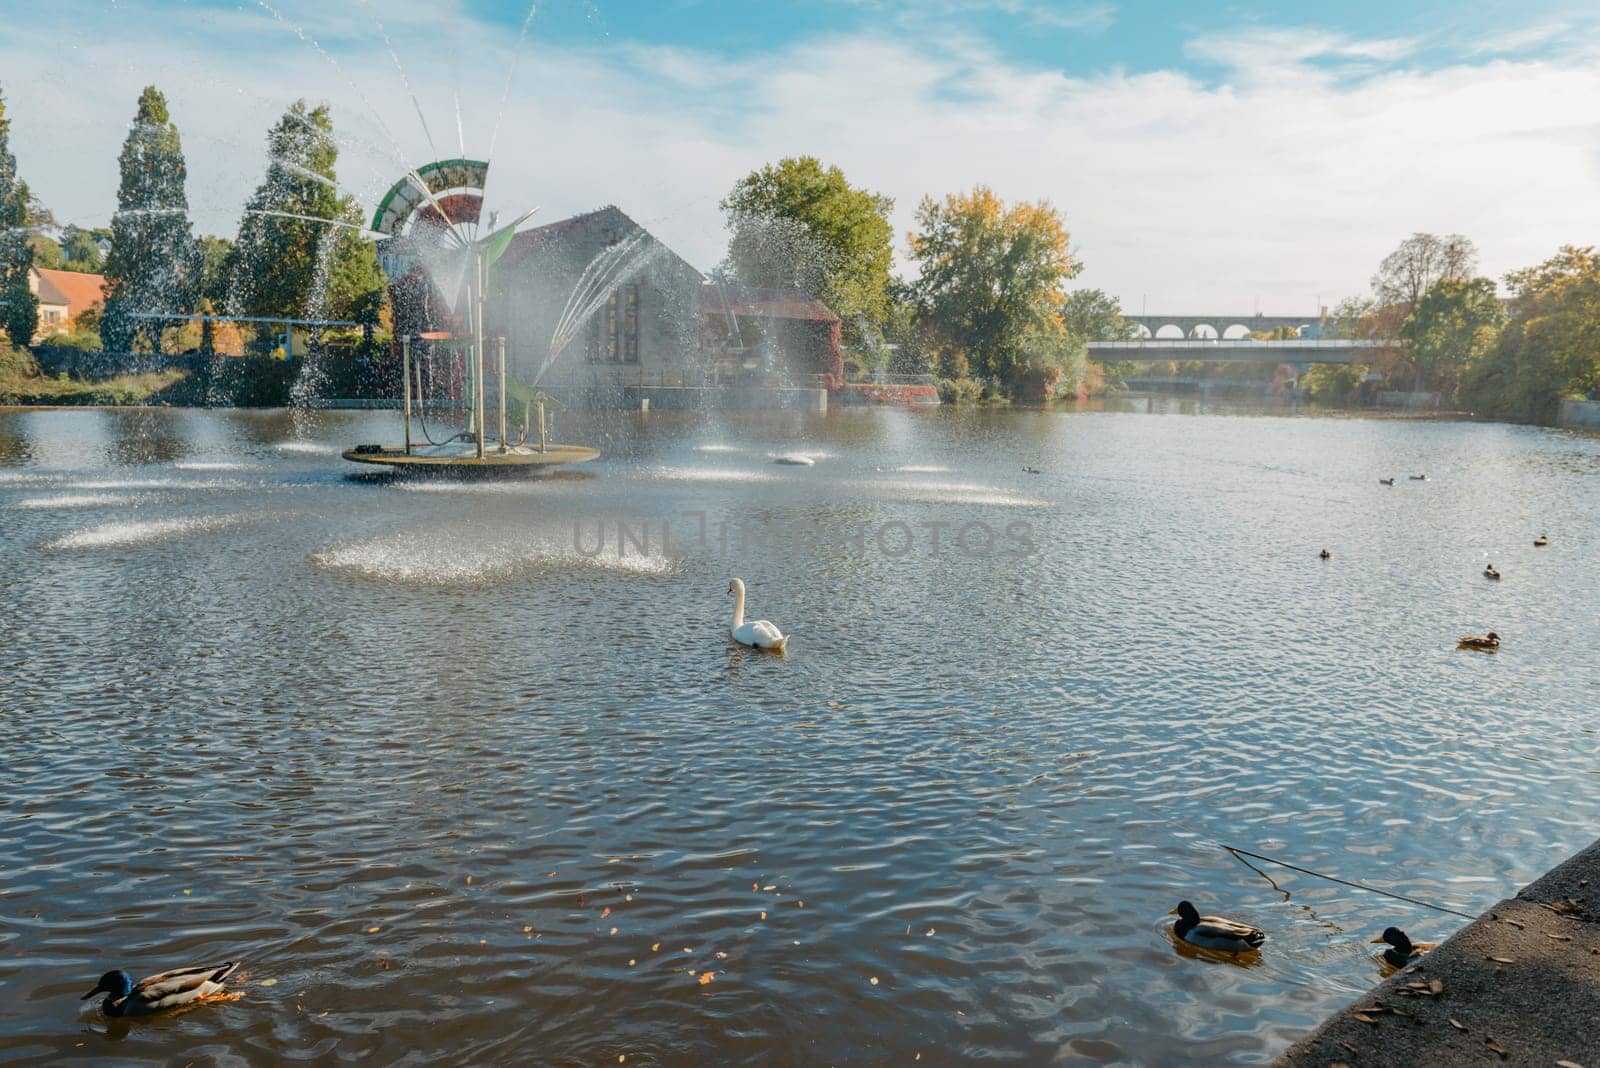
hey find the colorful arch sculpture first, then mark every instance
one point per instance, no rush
(457, 188)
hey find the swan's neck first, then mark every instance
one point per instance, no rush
(738, 607)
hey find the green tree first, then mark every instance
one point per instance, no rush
(46, 252)
(801, 225)
(1095, 315)
(19, 308)
(153, 265)
(79, 251)
(307, 267)
(214, 255)
(991, 279)
(1550, 348)
(1451, 328)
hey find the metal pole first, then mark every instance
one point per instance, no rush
(477, 352)
(502, 362)
(405, 377)
(541, 426)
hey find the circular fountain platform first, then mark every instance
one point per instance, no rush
(458, 460)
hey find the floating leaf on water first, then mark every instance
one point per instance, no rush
(755, 886)
(928, 933)
(802, 904)
(655, 947)
(873, 980)
(631, 963)
(706, 977)
(772, 887)
(628, 897)
(605, 912)
(686, 949)
(763, 915)
(613, 930)
(469, 880)
(268, 982)
(373, 930)
(527, 928)
(721, 955)
(614, 860)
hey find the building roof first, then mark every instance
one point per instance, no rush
(765, 303)
(530, 242)
(79, 292)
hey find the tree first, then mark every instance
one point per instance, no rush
(153, 265)
(1550, 348)
(315, 266)
(1452, 327)
(802, 225)
(79, 251)
(992, 278)
(19, 308)
(1421, 261)
(1095, 315)
(46, 253)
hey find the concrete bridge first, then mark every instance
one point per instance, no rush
(1231, 351)
(1226, 327)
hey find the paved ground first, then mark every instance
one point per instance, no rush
(1520, 985)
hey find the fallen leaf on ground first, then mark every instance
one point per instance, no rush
(1349, 1047)
(1494, 1047)
(1457, 1024)
(1568, 1064)
(1437, 986)
(1558, 938)
(706, 977)
(1503, 960)
(1363, 1017)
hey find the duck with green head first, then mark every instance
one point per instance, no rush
(1215, 932)
(169, 990)
(1402, 950)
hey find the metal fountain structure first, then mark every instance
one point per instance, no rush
(429, 220)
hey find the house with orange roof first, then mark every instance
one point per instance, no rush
(63, 296)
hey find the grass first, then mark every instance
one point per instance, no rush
(21, 382)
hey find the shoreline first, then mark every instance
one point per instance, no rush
(1518, 985)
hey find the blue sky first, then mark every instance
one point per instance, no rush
(1205, 157)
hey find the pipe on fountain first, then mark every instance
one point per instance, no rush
(405, 377)
(501, 359)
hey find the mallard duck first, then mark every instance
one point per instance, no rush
(1486, 644)
(169, 990)
(1385, 481)
(1489, 572)
(1540, 542)
(1402, 950)
(1214, 932)
(1326, 555)
(1419, 478)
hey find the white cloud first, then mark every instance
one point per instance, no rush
(1200, 196)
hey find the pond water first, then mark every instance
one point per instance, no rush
(463, 779)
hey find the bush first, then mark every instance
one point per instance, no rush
(960, 390)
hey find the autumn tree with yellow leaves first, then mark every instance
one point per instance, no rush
(992, 283)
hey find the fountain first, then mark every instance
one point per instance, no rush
(429, 220)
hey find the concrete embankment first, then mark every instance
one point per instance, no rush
(1518, 985)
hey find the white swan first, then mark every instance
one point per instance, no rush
(757, 632)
